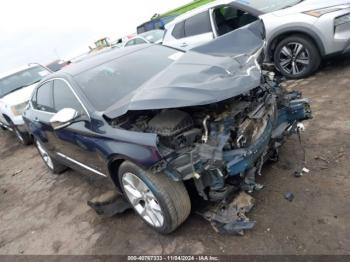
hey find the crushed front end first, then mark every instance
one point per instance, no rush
(222, 147)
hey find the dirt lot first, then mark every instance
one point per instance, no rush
(45, 214)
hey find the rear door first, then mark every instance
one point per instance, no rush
(194, 31)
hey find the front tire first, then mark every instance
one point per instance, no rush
(22, 137)
(297, 57)
(52, 164)
(162, 203)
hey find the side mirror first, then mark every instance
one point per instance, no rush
(64, 118)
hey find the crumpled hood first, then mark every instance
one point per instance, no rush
(18, 97)
(223, 68)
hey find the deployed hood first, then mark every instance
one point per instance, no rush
(19, 96)
(223, 68)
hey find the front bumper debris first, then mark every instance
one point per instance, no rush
(109, 204)
(230, 218)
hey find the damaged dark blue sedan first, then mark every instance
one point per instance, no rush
(161, 123)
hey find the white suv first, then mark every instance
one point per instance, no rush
(16, 88)
(207, 22)
(299, 33)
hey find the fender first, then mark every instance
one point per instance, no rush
(113, 163)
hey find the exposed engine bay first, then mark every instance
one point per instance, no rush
(223, 146)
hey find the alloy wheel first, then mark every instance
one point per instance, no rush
(143, 200)
(294, 58)
(45, 156)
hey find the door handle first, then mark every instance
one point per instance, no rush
(184, 45)
(36, 119)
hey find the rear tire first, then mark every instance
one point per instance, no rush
(297, 57)
(52, 164)
(155, 195)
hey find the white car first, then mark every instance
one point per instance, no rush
(299, 33)
(150, 37)
(16, 88)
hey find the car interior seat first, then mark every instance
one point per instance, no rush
(223, 26)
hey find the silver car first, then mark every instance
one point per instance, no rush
(299, 32)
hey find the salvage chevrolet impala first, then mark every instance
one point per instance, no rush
(160, 122)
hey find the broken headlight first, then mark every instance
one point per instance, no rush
(17, 110)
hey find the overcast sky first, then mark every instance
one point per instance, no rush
(45, 30)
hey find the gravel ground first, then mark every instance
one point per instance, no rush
(45, 214)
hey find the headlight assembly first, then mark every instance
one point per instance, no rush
(17, 110)
(321, 12)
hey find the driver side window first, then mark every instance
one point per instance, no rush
(63, 97)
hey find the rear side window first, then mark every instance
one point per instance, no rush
(63, 97)
(179, 30)
(43, 99)
(198, 24)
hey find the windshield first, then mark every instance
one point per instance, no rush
(153, 36)
(21, 79)
(268, 6)
(110, 82)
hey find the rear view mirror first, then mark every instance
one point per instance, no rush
(64, 118)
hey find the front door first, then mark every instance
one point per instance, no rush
(76, 143)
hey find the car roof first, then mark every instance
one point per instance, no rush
(98, 59)
(198, 11)
(16, 70)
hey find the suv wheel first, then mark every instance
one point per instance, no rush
(161, 202)
(52, 164)
(297, 57)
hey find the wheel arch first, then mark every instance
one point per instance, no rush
(114, 163)
(117, 160)
(113, 168)
(7, 118)
(278, 36)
